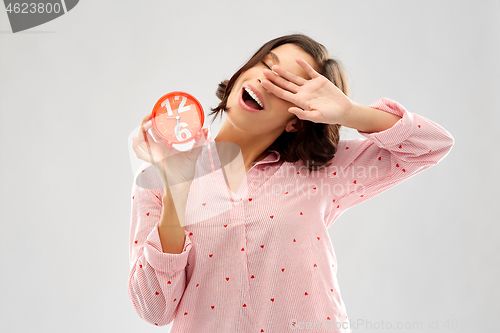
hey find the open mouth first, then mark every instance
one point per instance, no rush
(251, 100)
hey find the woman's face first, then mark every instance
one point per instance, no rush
(268, 115)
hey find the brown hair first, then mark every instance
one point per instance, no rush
(315, 142)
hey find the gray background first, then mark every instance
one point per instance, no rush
(73, 89)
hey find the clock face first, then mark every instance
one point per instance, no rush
(177, 117)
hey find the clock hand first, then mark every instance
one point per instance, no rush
(177, 126)
(178, 118)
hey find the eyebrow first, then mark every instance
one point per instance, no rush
(274, 56)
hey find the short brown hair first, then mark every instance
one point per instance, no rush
(315, 142)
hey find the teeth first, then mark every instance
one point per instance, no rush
(251, 93)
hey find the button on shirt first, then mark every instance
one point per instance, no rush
(261, 259)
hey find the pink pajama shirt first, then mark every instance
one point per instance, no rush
(261, 259)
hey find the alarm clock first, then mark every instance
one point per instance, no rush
(178, 118)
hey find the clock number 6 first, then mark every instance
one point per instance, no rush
(184, 133)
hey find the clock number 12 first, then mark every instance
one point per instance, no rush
(182, 106)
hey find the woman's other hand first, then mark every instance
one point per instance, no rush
(316, 99)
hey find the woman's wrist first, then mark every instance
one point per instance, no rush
(366, 119)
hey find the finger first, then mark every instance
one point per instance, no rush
(156, 136)
(313, 116)
(281, 82)
(145, 134)
(146, 118)
(200, 141)
(138, 151)
(289, 76)
(278, 92)
(147, 126)
(309, 70)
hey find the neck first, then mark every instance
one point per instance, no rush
(252, 148)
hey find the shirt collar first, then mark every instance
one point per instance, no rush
(274, 156)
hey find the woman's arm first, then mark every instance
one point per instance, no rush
(363, 168)
(157, 279)
(399, 144)
(170, 228)
(368, 120)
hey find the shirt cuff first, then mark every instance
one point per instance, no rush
(161, 261)
(396, 134)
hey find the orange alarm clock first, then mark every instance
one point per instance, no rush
(178, 117)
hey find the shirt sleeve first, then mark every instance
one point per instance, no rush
(157, 280)
(363, 168)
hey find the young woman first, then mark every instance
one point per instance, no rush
(240, 243)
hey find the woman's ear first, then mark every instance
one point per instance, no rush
(292, 125)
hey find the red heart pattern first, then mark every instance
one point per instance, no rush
(291, 271)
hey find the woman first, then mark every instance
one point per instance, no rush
(252, 253)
